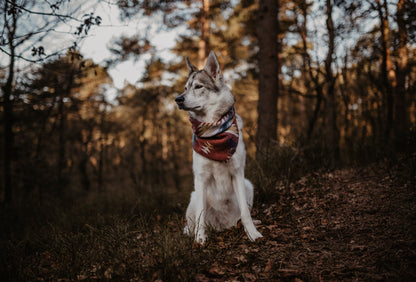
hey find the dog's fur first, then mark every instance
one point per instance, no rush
(222, 195)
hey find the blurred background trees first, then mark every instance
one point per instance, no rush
(340, 78)
(25, 25)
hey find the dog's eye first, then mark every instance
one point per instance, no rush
(198, 86)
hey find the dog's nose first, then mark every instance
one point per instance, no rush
(180, 99)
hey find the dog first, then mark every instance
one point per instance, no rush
(222, 195)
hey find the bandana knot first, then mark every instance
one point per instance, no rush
(216, 140)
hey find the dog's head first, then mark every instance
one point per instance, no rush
(206, 95)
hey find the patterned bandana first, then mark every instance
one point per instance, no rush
(217, 140)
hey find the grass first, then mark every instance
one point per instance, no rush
(273, 171)
(104, 236)
(99, 237)
(130, 235)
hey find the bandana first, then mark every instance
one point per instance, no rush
(217, 140)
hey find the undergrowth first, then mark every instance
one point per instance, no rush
(120, 235)
(103, 236)
(138, 235)
(274, 170)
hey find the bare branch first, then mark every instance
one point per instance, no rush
(56, 53)
(52, 14)
(27, 36)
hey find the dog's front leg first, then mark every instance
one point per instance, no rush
(240, 191)
(200, 209)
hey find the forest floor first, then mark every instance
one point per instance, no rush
(346, 224)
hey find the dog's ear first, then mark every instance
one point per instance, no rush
(212, 67)
(191, 67)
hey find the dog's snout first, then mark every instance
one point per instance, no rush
(180, 99)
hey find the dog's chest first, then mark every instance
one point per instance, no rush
(219, 191)
(218, 177)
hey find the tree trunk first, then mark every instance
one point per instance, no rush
(102, 140)
(388, 76)
(8, 110)
(8, 132)
(401, 123)
(203, 44)
(308, 71)
(268, 75)
(62, 127)
(332, 140)
(83, 169)
(61, 141)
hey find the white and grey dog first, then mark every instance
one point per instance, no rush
(222, 195)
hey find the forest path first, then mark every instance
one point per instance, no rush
(349, 224)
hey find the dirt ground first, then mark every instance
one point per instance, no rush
(349, 224)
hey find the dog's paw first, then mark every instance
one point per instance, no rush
(200, 238)
(254, 235)
(187, 231)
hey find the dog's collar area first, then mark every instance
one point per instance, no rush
(210, 129)
(217, 140)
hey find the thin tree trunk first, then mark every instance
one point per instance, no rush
(62, 128)
(8, 132)
(401, 123)
(103, 138)
(332, 141)
(83, 169)
(61, 141)
(203, 44)
(346, 99)
(308, 70)
(8, 111)
(268, 75)
(387, 72)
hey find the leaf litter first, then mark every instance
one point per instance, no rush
(346, 224)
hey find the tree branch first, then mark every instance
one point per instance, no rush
(52, 14)
(37, 60)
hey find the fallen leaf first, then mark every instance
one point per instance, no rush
(249, 277)
(216, 271)
(286, 272)
(269, 266)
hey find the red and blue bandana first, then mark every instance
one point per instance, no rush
(217, 140)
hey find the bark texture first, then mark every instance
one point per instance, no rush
(267, 31)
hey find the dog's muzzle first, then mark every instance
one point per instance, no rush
(180, 100)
